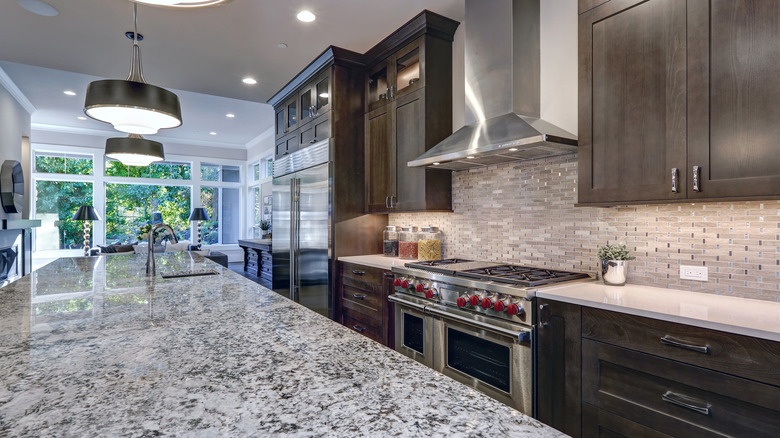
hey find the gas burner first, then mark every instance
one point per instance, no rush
(436, 263)
(521, 275)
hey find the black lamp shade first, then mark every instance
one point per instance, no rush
(134, 150)
(132, 107)
(199, 214)
(86, 213)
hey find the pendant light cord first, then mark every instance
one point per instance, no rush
(135, 23)
(136, 72)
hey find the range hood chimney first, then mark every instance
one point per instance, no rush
(503, 88)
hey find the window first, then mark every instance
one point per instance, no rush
(209, 199)
(223, 206)
(159, 170)
(55, 204)
(129, 207)
(214, 172)
(70, 164)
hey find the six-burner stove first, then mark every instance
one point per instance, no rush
(473, 321)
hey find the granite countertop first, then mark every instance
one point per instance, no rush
(376, 260)
(89, 346)
(255, 241)
(742, 316)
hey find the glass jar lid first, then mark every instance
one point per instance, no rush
(408, 229)
(390, 228)
(429, 229)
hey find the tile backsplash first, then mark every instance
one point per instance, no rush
(524, 213)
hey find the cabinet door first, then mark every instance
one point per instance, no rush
(558, 366)
(279, 122)
(317, 130)
(408, 132)
(632, 95)
(733, 95)
(377, 86)
(291, 115)
(380, 160)
(408, 72)
(281, 149)
(306, 104)
(322, 94)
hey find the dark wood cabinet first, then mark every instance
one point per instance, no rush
(678, 100)
(409, 110)
(558, 363)
(363, 301)
(258, 260)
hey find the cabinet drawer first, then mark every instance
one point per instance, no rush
(362, 324)
(361, 297)
(598, 423)
(362, 273)
(743, 356)
(675, 398)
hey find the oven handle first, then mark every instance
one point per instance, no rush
(406, 303)
(522, 335)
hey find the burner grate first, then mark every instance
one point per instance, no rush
(521, 275)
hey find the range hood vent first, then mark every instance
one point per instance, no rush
(503, 90)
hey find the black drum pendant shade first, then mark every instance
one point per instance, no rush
(132, 105)
(86, 213)
(134, 150)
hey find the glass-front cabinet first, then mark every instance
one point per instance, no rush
(398, 75)
(314, 98)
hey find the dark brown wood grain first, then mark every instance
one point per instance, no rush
(586, 5)
(363, 295)
(631, 385)
(380, 160)
(388, 315)
(362, 324)
(744, 356)
(632, 105)
(558, 366)
(598, 423)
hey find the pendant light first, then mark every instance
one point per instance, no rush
(134, 150)
(132, 105)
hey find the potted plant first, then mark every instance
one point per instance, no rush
(265, 226)
(614, 264)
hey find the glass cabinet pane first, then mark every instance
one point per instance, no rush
(323, 93)
(377, 86)
(407, 68)
(306, 104)
(292, 114)
(280, 121)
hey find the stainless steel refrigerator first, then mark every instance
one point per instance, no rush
(302, 208)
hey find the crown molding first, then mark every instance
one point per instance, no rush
(15, 92)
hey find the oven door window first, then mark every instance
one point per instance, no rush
(479, 358)
(414, 333)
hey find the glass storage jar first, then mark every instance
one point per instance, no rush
(390, 241)
(429, 244)
(407, 243)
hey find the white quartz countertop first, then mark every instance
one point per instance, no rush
(760, 319)
(376, 260)
(90, 347)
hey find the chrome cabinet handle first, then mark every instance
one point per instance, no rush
(544, 322)
(672, 342)
(675, 172)
(392, 92)
(359, 297)
(356, 272)
(387, 205)
(392, 204)
(313, 141)
(691, 403)
(696, 178)
(358, 328)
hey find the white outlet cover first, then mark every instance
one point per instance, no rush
(697, 273)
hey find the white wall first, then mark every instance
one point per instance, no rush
(559, 63)
(14, 124)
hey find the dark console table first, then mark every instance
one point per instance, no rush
(257, 259)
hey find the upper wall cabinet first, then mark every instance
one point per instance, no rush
(408, 88)
(678, 100)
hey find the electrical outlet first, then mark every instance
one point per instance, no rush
(698, 273)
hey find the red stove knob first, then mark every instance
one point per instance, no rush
(474, 300)
(429, 294)
(397, 282)
(420, 287)
(513, 309)
(486, 303)
(461, 302)
(498, 306)
(405, 284)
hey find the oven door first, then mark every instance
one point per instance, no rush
(413, 329)
(494, 357)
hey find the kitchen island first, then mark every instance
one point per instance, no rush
(90, 346)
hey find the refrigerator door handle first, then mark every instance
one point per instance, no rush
(297, 212)
(293, 245)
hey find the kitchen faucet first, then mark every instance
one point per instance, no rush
(151, 269)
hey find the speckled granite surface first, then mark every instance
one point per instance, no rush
(89, 347)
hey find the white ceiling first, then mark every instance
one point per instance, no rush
(200, 54)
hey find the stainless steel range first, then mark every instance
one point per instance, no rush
(473, 321)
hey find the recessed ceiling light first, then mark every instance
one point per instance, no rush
(181, 3)
(249, 81)
(69, 92)
(39, 8)
(212, 133)
(512, 149)
(470, 157)
(281, 45)
(306, 16)
(81, 118)
(230, 115)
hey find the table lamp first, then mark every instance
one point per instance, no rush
(199, 214)
(87, 214)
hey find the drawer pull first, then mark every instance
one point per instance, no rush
(675, 171)
(359, 297)
(668, 340)
(356, 272)
(693, 404)
(696, 178)
(358, 328)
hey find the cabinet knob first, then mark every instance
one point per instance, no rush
(696, 178)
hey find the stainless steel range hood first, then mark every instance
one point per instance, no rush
(502, 92)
